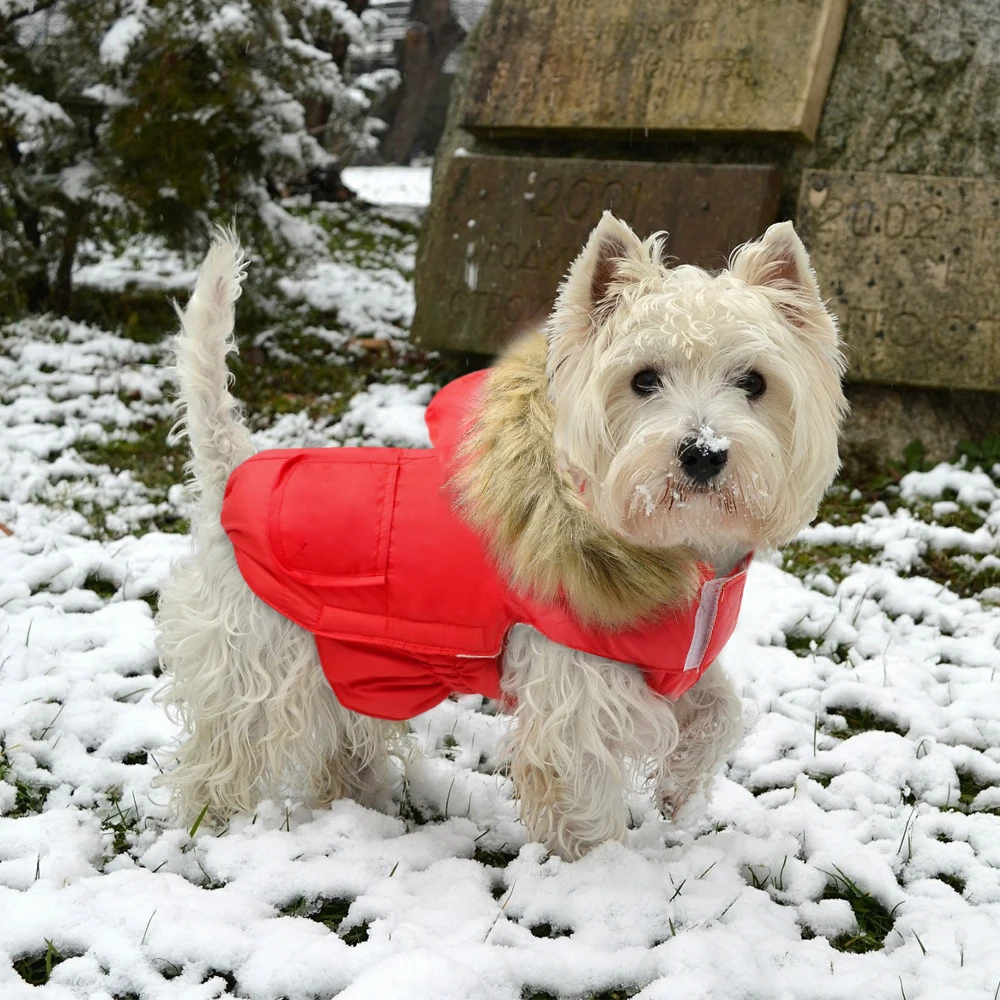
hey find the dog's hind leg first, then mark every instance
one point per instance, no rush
(583, 730)
(258, 714)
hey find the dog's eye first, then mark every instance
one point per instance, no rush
(646, 382)
(752, 384)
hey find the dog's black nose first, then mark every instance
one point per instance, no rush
(700, 461)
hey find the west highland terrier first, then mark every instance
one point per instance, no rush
(575, 543)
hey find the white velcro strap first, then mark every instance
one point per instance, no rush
(704, 622)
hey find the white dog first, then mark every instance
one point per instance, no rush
(668, 423)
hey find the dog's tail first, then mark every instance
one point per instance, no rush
(210, 417)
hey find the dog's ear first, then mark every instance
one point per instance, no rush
(613, 254)
(779, 262)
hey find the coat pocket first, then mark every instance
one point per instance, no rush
(332, 519)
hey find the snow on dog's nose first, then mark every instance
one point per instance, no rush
(703, 457)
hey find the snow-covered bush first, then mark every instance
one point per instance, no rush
(160, 116)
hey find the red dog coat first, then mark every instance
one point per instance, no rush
(361, 547)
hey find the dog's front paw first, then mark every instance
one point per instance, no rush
(568, 825)
(571, 845)
(682, 804)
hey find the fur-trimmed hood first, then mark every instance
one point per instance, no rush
(508, 486)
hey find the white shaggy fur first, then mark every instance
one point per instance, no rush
(258, 714)
(585, 728)
(701, 332)
(259, 717)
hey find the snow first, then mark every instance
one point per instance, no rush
(409, 186)
(735, 904)
(118, 40)
(77, 181)
(645, 495)
(31, 112)
(970, 486)
(389, 415)
(709, 439)
(373, 303)
(468, 12)
(114, 274)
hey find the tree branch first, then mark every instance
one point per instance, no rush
(37, 9)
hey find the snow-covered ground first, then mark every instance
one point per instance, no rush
(390, 185)
(863, 809)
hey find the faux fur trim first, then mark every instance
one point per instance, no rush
(541, 534)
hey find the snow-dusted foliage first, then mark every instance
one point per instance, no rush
(128, 115)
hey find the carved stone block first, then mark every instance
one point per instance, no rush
(910, 265)
(759, 66)
(505, 230)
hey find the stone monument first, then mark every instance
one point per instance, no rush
(509, 226)
(898, 202)
(741, 66)
(901, 259)
(872, 125)
(569, 109)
